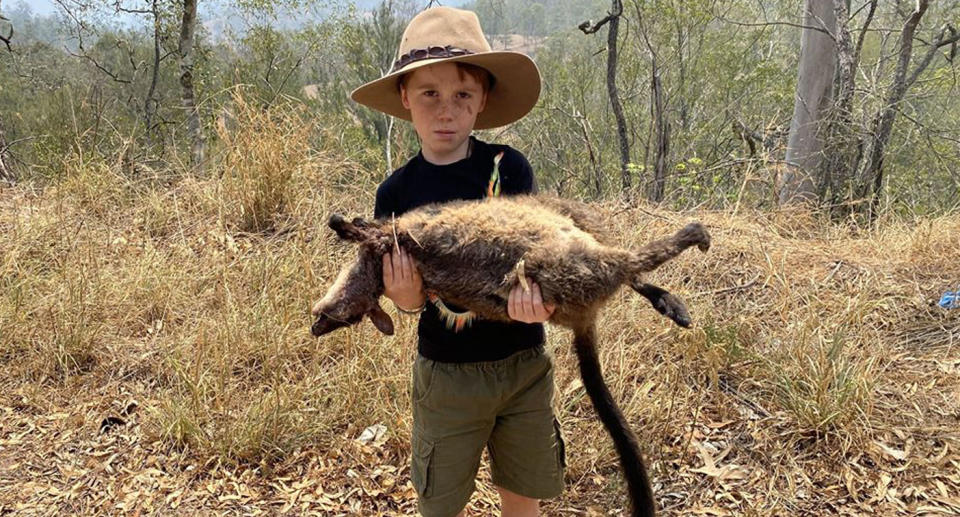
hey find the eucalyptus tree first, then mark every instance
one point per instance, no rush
(133, 44)
(188, 31)
(370, 43)
(612, 20)
(818, 56)
(6, 167)
(833, 157)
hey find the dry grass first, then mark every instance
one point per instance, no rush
(820, 378)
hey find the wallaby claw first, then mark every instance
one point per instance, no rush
(521, 275)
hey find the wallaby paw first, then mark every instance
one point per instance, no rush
(696, 233)
(671, 307)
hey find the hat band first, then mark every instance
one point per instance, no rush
(419, 54)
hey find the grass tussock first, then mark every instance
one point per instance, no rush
(266, 156)
(811, 338)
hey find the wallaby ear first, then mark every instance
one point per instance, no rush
(360, 222)
(347, 230)
(381, 320)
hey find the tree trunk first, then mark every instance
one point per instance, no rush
(818, 56)
(613, 18)
(150, 104)
(6, 163)
(614, 94)
(597, 176)
(188, 27)
(871, 177)
(5, 39)
(841, 143)
(662, 131)
(388, 147)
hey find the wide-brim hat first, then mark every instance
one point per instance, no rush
(445, 34)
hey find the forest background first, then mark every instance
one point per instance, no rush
(166, 166)
(705, 91)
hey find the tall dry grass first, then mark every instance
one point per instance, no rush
(196, 296)
(265, 153)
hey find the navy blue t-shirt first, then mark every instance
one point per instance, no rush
(420, 182)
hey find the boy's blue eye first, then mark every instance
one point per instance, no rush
(464, 95)
(430, 93)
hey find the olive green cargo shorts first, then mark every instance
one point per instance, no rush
(460, 408)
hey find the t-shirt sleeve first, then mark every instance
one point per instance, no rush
(518, 174)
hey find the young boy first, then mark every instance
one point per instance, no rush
(476, 383)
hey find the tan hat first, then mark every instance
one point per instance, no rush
(444, 34)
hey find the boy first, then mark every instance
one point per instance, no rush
(476, 383)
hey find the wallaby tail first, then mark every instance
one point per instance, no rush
(641, 495)
(654, 254)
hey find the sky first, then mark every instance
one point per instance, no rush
(43, 7)
(46, 7)
(215, 12)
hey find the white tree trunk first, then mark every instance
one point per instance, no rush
(6, 170)
(188, 27)
(818, 57)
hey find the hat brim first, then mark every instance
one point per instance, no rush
(515, 91)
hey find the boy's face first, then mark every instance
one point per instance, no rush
(444, 103)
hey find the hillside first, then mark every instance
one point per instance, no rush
(157, 358)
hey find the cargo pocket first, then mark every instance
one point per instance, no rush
(421, 470)
(561, 446)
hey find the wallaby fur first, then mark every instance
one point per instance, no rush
(473, 253)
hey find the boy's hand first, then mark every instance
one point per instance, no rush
(528, 306)
(401, 280)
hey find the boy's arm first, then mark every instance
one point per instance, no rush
(402, 283)
(524, 305)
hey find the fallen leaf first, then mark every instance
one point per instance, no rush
(890, 451)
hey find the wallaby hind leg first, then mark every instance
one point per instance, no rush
(652, 255)
(664, 302)
(585, 217)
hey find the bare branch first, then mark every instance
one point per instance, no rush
(296, 65)
(6, 39)
(587, 29)
(767, 24)
(9, 145)
(863, 30)
(97, 64)
(81, 27)
(118, 7)
(941, 41)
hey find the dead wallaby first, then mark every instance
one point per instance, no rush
(472, 253)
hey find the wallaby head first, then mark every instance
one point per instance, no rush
(358, 287)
